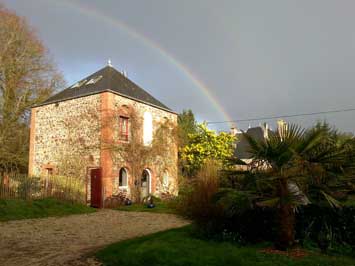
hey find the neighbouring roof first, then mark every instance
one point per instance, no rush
(242, 148)
(106, 79)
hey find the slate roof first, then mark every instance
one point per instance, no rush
(242, 149)
(107, 79)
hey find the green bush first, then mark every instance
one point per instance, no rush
(230, 215)
(312, 222)
(195, 201)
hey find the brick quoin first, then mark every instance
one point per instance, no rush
(32, 142)
(106, 140)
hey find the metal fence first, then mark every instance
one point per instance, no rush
(16, 186)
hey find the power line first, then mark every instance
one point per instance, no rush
(282, 116)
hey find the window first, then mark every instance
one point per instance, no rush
(123, 178)
(146, 183)
(147, 129)
(123, 130)
(79, 84)
(49, 171)
(166, 179)
(93, 80)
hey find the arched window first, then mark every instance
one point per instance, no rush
(147, 129)
(146, 183)
(123, 178)
(166, 178)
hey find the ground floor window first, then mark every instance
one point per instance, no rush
(49, 171)
(145, 178)
(123, 178)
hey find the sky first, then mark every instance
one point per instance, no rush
(225, 60)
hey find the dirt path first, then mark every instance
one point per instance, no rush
(68, 240)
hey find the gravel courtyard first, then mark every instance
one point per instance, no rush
(69, 240)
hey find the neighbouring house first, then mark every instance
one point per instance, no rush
(260, 134)
(71, 134)
(242, 148)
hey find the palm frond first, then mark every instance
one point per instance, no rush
(310, 140)
(273, 202)
(332, 202)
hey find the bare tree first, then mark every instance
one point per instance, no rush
(27, 77)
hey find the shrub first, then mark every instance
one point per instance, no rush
(311, 221)
(229, 215)
(236, 212)
(195, 200)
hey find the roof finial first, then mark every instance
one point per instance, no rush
(109, 63)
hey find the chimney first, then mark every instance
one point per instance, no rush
(282, 128)
(233, 131)
(265, 128)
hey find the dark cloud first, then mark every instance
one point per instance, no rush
(257, 57)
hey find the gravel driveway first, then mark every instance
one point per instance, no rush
(68, 240)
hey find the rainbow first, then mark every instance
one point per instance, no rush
(91, 12)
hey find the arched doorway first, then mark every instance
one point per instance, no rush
(145, 183)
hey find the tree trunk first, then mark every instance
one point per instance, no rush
(286, 218)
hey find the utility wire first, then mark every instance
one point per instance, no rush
(282, 116)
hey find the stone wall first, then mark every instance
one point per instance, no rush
(66, 135)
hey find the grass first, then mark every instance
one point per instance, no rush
(16, 209)
(160, 207)
(177, 247)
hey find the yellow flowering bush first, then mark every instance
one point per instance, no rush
(206, 144)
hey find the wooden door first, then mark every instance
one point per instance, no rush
(96, 188)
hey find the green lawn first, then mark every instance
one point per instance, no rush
(160, 207)
(177, 248)
(20, 209)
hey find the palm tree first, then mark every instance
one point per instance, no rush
(294, 162)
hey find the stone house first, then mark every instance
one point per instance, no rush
(73, 132)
